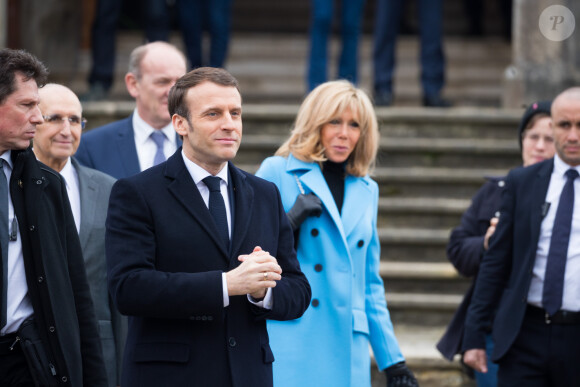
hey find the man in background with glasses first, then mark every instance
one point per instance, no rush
(55, 142)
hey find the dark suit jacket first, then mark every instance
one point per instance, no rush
(165, 264)
(111, 149)
(95, 188)
(464, 251)
(506, 269)
(55, 272)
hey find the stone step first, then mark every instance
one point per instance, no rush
(430, 309)
(413, 182)
(416, 277)
(413, 244)
(426, 212)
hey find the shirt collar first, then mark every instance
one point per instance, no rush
(198, 173)
(143, 130)
(560, 167)
(6, 156)
(68, 173)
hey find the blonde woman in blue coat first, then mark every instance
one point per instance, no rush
(331, 202)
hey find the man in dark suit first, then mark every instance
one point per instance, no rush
(531, 270)
(126, 147)
(43, 279)
(199, 268)
(55, 142)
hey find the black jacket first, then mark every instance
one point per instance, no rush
(55, 272)
(465, 250)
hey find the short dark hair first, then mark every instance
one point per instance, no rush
(178, 104)
(19, 61)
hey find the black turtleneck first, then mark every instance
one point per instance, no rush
(334, 174)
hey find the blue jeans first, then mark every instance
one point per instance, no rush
(215, 16)
(320, 28)
(388, 16)
(488, 379)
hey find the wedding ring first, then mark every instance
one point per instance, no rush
(266, 276)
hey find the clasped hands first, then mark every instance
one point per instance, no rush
(257, 272)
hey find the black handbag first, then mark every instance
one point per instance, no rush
(42, 370)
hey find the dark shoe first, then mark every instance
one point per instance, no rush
(435, 101)
(97, 92)
(383, 98)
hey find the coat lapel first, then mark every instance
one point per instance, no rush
(357, 196)
(538, 192)
(241, 210)
(312, 180)
(126, 149)
(182, 187)
(89, 192)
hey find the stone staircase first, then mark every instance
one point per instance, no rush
(430, 164)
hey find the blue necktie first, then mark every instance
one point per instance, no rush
(3, 242)
(558, 253)
(158, 137)
(217, 208)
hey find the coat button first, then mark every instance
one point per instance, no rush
(38, 181)
(315, 302)
(360, 243)
(20, 183)
(32, 228)
(318, 267)
(51, 329)
(232, 342)
(64, 379)
(40, 279)
(314, 232)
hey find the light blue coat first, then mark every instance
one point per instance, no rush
(340, 255)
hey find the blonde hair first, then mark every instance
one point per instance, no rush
(324, 104)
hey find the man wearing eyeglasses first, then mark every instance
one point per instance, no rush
(54, 144)
(45, 301)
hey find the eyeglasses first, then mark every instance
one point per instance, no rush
(73, 120)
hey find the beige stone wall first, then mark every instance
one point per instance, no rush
(541, 67)
(51, 30)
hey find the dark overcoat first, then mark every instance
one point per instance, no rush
(55, 272)
(165, 262)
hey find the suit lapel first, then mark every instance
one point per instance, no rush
(538, 192)
(182, 187)
(126, 149)
(241, 210)
(88, 192)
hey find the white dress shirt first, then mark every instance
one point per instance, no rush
(71, 179)
(570, 299)
(19, 307)
(146, 147)
(198, 174)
